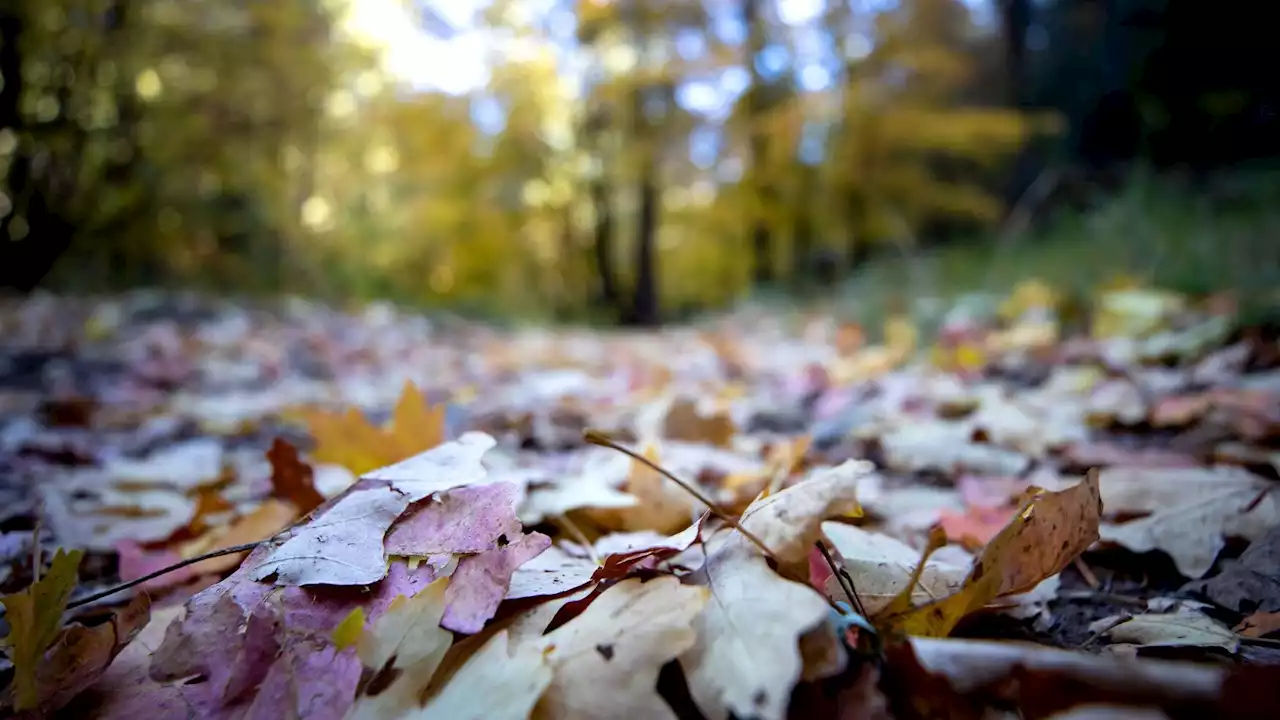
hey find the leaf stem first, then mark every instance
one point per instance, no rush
(596, 437)
(162, 571)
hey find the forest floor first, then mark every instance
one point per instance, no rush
(420, 523)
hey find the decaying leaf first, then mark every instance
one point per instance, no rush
(292, 479)
(606, 660)
(34, 616)
(1174, 629)
(1187, 512)
(1050, 530)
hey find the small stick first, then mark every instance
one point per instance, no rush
(572, 528)
(35, 548)
(598, 438)
(176, 566)
(595, 437)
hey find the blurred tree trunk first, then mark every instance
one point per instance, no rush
(31, 235)
(802, 255)
(1015, 20)
(762, 192)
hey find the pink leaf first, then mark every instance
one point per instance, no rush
(480, 582)
(464, 520)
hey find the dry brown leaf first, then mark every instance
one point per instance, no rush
(606, 660)
(1050, 530)
(684, 421)
(1187, 511)
(292, 479)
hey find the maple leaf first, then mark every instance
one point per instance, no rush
(348, 439)
(1049, 531)
(34, 616)
(292, 479)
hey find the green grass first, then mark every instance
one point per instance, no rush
(1191, 242)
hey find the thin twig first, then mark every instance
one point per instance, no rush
(598, 438)
(162, 571)
(845, 580)
(572, 528)
(35, 548)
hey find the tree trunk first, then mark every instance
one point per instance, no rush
(762, 192)
(644, 308)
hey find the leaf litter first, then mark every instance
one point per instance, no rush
(414, 522)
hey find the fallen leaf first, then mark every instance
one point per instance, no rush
(661, 505)
(684, 421)
(606, 660)
(269, 518)
(1187, 511)
(1259, 624)
(82, 654)
(405, 646)
(881, 566)
(747, 659)
(1049, 531)
(292, 479)
(34, 616)
(501, 681)
(349, 440)
(341, 546)
(344, 544)
(1174, 629)
(1250, 583)
(464, 520)
(481, 581)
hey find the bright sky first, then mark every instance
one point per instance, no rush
(460, 64)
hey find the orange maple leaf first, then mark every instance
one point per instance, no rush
(349, 439)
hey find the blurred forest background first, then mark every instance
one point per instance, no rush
(633, 160)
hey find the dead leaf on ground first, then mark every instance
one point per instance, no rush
(1174, 630)
(348, 439)
(1259, 624)
(1186, 512)
(292, 479)
(881, 566)
(1050, 530)
(605, 662)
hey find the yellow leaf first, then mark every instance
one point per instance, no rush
(35, 616)
(348, 439)
(1050, 530)
(348, 632)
